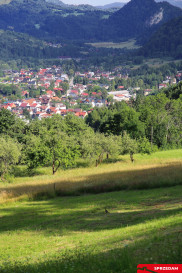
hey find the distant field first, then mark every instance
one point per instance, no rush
(159, 62)
(155, 63)
(130, 44)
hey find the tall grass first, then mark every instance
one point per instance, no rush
(161, 169)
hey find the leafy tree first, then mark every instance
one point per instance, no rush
(173, 125)
(76, 126)
(174, 92)
(126, 119)
(71, 73)
(95, 146)
(65, 87)
(35, 152)
(57, 150)
(63, 151)
(130, 145)
(109, 145)
(52, 84)
(144, 146)
(26, 113)
(110, 98)
(9, 90)
(7, 119)
(153, 113)
(10, 152)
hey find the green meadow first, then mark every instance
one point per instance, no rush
(70, 231)
(130, 44)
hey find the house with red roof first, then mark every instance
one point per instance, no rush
(162, 85)
(81, 114)
(50, 93)
(12, 105)
(57, 83)
(24, 105)
(64, 112)
(121, 87)
(147, 92)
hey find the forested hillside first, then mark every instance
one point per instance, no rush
(174, 92)
(15, 45)
(51, 21)
(48, 21)
(177, 3)
(142, 18)
(167, 41)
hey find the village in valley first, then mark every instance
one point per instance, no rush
(42, 93)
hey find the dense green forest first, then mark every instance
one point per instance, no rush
(135, 18)
(49, 21)
(167, 41)
(61, 30)
(150, 77)
(15, 45)
(157, 118)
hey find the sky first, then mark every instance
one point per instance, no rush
(93, 2)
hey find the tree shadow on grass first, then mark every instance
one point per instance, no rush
(148, 178)
(23, 171)
(120, 258)
(113, 160)
(75, 215)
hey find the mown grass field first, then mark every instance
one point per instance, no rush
(130, 44)
(74, 234)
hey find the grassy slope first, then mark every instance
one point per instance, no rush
(73, 234)
(166, 167)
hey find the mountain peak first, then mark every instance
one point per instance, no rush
(143, 1)
(142, 17)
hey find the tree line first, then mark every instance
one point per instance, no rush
(57, 142)
(156, 118)
(143, 126)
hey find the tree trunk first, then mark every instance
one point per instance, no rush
(152, 133)
(100, 158)
(96, 163)
(2, 177)
(131, 157)
(53, 167)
